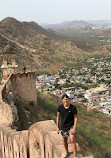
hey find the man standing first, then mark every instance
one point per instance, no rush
(67, 114)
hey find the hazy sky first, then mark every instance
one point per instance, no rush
(55, 11)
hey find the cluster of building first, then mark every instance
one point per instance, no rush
(89, 85)
(102, 27)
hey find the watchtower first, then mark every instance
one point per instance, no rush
(9, 65)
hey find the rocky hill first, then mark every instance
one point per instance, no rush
(100, 27)
(68, 25)
(42, 50)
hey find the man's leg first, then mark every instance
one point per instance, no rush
(65, 144)
(73, 142)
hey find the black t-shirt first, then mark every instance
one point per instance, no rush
(67, 116)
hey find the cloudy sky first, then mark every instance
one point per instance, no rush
(55, 11)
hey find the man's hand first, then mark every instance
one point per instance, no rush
(73, 130)
(57, 130)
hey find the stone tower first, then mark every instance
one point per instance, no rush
(9, 65)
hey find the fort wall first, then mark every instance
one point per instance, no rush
(22, 86)
(5, 110)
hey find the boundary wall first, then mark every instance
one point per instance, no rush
(22, 86)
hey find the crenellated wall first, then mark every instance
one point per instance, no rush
(22, 86)
(41, 140)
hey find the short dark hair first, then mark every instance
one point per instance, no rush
(65, 96)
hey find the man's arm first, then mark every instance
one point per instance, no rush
(75, 123)
(57, 121)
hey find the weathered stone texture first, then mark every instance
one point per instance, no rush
(51, 141)
(5, 110)
(37, 134)
(23, 86)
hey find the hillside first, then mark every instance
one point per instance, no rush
(42, 50)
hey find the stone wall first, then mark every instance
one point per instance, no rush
(22, 86)
(41, 140)
(6, 116)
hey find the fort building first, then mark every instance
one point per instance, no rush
(9, 65)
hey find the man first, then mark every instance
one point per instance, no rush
(67, 113)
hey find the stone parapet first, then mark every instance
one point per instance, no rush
(51, 141)
(5, 109)
(13, 144)
(37, 134)
(23, 86)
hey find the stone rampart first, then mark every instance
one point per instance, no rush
(5, 110)
(22, 86)
(41, 140)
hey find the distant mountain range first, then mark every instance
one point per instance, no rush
(77, 25)
(69, 25)
(42, 50)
